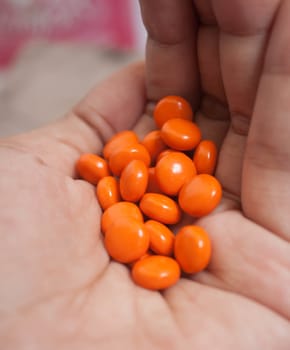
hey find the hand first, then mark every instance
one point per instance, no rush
(58, 288)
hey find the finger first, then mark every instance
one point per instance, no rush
(115, 104)
(213, 115)
(171, 59)
(266, 179)
(210, 65)
(244, 27)
(213, 102)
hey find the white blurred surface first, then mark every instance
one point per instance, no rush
(48, 79)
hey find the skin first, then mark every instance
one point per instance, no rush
(58, 288)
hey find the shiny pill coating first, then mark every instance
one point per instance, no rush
(181, 134)
(123, 156)
(152, 183)
(161, 238)
(92, 168)
(108, 192)
(127, 240)
(160, 207)
(146, 255)
(164, 153)
(200, 195)
(156, 272)
(171, 107)
(192, 249)
(150, 249)
(117, 211)
(121, 139)
(205, 157)
(134, 181)
(154, 144)
(172, 171)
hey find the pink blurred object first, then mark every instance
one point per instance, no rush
(104, 22)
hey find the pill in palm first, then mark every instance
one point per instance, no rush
(168, 173)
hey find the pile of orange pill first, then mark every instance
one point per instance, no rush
(145, 186)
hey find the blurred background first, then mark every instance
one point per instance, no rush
(53, 51)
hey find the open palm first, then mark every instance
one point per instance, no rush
(59, 290)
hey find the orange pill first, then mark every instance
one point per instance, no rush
(160, 208)
(192, 249)
(152, 186)
(131, 264)
(156, 272)
(181, 134)
(121, 139)
(118, 211)
(154, 144)
(127, 240)
(134, 181)
(172, 171)
(107, 192)
(200, 195)
(161, 238)
(171, 107)
(92, 168)
(164, 153)
(205, 157)
(124, 155)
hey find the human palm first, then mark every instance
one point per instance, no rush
(59, 290)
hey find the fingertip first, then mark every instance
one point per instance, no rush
(171, 59)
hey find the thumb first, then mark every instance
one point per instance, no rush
(266, 179)
(115, 104)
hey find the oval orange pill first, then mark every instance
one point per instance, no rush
(205, 157)
(161, 238)
(127, 240)
(154, 144)
(124, 155)
(172, 171)
(164, 153)
(192, 249)
(171, 107)
(200, 195)
(156, 272)
(160, 208)
(118, 211)
(107, 192)
(152, 186)
(131, 264)
(134, 181)
(181, 134)
(121, 139)
(92, 168)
